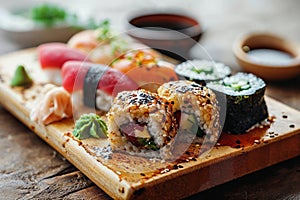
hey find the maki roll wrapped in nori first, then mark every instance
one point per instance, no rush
(244, 99)
(196, 110)
(141, 123)
(202, 71)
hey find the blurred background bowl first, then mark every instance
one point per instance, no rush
(173, 34)
(34, 37)
(268, 71)
(23, 31)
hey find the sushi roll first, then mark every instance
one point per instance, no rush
(202, 71)
(141, 123)
(94, 85)
(244, 99)
(196, 110)
(52, 56)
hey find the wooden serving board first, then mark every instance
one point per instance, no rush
(126, 177)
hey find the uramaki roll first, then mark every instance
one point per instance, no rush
(141, 123)
(196, 109)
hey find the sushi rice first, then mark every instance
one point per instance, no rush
(202, 71)
(103, 103)
(103, 100)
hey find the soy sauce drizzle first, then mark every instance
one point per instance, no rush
(243, 140)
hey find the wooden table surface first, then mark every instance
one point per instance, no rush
(30, 169)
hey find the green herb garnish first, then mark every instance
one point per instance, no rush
(90, 125)
(21, 78)
(104, 32)
(118, 46)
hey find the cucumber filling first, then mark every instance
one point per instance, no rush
(237, 85)
(207, 70)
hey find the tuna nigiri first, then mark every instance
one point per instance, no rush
(94, 85)
(52, 56)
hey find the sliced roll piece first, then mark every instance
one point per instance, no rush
(244, 99)
(141, 123)
(202, 71)
(196, 109)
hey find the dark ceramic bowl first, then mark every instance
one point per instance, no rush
(170, 33)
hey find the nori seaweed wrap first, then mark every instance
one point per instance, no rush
(244, 99)
(202, 71)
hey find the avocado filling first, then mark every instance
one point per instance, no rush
(188, 124)
(138, 135)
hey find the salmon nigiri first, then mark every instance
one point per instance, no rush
(145, 68)
(94, 85)
(52, 56)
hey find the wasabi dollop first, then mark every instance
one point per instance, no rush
(90, 125)
(21, 78)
